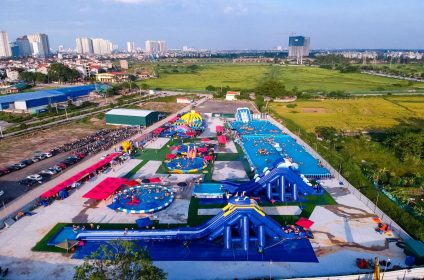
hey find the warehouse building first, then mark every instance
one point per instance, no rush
(34, 101)
(131, 117)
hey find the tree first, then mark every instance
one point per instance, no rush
(119, 260)
(273, 89)
(210, 88)
(61, 73)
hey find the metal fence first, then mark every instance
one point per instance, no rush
(377, 211)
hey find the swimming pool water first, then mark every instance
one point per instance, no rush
(255, 127)
(64, 233)
(208, 188)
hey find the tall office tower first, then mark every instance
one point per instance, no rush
(152, 46)
(4, 45)
(102, 46)
(131, 47)
(84, 45)
(24, 46)
(163, 48)
(14, 50)
(39, 44)
(299, 47)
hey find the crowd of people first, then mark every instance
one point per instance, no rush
(101, 140)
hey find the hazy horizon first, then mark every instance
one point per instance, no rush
(220, 24)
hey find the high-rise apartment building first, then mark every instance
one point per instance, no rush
(4, 45)
(152, 46)
(24, 46)
(163, 48)
(40, 45)
(84, 45)
(131, 47)
(102, 46)
(14, 50)
(299, 47)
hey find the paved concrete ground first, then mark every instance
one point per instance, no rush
(148, 170)
(211, 122)
(223, 106)
(229, 170)
(230, 147)
(157, 143)
(176, 213)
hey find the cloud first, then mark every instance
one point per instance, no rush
(237, 8)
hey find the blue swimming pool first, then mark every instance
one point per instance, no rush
(143, 199)
(208, 190)
(64, 233)
(255, 127)
(186, 165)
(263, 152)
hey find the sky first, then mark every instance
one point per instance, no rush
(221, 24)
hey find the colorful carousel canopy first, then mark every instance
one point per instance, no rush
(192, 118)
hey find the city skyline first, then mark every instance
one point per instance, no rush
(220, 24)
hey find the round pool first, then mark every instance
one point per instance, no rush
(186, 165)
(143, 199)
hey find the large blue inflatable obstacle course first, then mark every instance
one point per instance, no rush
(243, 115)
(241, 224)
(280, 183)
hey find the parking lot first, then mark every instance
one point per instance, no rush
(9, 183)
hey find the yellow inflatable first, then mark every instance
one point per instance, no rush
(192, 118)
(126, 146)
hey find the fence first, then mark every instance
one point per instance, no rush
(377, 211)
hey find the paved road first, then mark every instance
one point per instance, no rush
(24, 198)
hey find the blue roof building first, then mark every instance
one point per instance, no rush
(42, 98)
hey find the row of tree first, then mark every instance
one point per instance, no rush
(57, 72)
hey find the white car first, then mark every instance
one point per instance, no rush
(1, 193)
(104, 156)
(48, 171)
(35, 177)
(47, 154)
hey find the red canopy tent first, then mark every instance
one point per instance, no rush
(158, 130)
(170, 156)
(155, 180)
(222, 140)
(174, 119)
(305, 223)
(219, 129)
(205, 140)
(106, 188)
(208, 158)
(77, 177)
(202, 149)
(191, 133)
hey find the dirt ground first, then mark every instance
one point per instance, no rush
(225, 107)
(15, 149)
(162, 106)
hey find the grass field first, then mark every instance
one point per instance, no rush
(313, 78)
(304, 78)
(352, 114)
(235, 76)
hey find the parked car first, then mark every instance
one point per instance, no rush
(14, 167)
(20, 165)
(27, 182)
(1, 192)
(62, 165)
(67, 162)
(55, 169)
(80, 155)
(47, 155)
(104, 156)
(41, 156)
(35, 159)
(4, 171)
(47, 171)
(45, 176)
(27, 161)
(35, 177)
